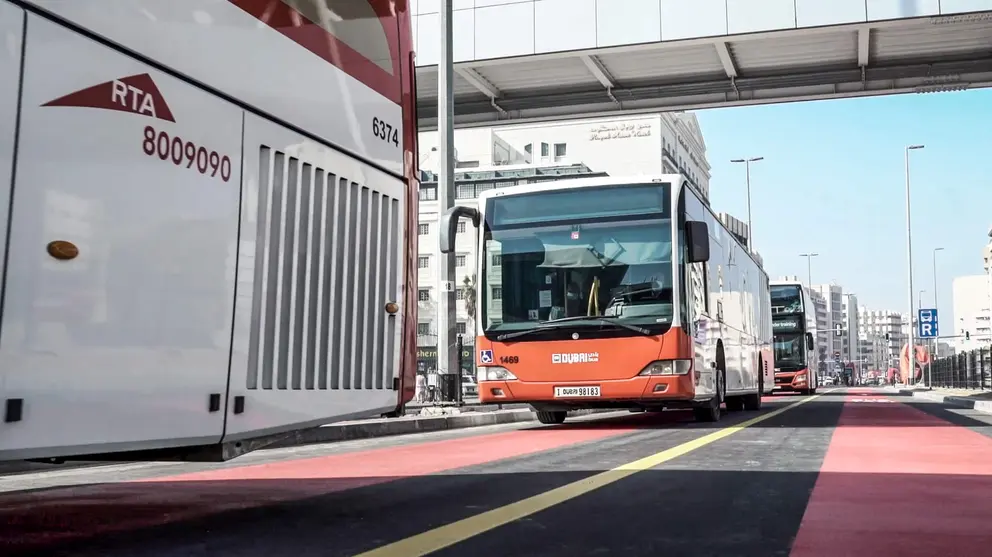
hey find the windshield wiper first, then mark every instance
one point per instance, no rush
(553, 324)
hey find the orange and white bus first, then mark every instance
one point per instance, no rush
(615, 293)
(793, 323)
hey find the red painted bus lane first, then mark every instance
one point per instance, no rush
(898, 481)
(31, 518)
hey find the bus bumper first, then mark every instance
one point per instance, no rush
(669, 391)
(792, 381)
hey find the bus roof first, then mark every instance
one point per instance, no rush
(575, 183)
(787, 283)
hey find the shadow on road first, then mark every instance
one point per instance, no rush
(676, 512)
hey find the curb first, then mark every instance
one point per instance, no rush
(984, 406)
(348, 431)
(407, 425)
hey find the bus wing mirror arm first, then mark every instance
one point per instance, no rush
(697, 237)
(449, 225)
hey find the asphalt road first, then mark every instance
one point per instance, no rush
(846, 472)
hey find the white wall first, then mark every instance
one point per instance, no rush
(971, 312)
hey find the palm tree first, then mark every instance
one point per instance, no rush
(468, 296)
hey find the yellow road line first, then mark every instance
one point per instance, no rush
(450, 534)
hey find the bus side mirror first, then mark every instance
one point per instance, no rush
(697, 238)
(809, 340)
(449, 225)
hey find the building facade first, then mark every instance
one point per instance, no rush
(823, 331)
(972, 326)
(668, 143)
(882, 335)
(841, 323)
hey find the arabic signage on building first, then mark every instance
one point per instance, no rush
(606, 132)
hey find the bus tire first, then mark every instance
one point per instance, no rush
(711, 412)
(752, 402)
(554, 417)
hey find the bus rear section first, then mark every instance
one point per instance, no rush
(202, 258)
(607, 293)
(795, 343)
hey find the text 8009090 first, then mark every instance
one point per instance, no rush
(178, 151)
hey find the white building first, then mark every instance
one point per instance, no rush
(669, 143)
(987, 263)
(518, 154)
(971, 313)
(823, 331)
(835, 311)
(882, 335)
(850, 344)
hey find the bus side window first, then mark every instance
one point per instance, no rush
(356, 23)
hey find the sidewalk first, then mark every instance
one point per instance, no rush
(980, 401)
(418, 419)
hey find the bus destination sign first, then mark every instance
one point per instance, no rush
(787, 324)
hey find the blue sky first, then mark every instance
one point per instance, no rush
(833, 182)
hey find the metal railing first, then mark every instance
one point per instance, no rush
(967, 370)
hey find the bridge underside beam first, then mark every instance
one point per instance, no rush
(847, 61)
(578, 103)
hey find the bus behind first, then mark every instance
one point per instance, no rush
(795, 344)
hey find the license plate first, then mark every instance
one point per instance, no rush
(576, 392)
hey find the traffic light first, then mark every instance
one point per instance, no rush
(967, 335)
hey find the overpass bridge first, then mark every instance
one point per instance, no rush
(532, 60)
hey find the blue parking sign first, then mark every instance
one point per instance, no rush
(927, 323)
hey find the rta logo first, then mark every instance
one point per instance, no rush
(136, 94)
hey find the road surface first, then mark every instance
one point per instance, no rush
(848, 472)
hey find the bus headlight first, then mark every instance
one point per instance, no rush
(668, 367)
(494, 373)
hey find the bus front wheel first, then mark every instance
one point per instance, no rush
(711, 411)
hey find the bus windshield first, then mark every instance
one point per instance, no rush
(787, 298)
(582, 252)
(790, 351)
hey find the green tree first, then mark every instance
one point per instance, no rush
(468, 296)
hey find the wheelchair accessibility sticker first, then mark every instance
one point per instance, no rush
(486, 356)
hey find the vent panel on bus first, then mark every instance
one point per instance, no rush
(326, 256)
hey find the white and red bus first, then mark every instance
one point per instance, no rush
(211, 232)
(794, 325)
(615, 293)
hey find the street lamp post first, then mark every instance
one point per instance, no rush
(447, 357)
(935, 345)
(809, 268)
(851, 333)
(911, 346)
(935, 301)
(747, 179)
